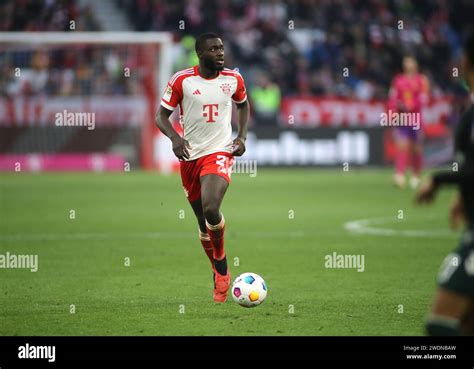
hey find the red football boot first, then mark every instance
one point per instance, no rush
(221, 286)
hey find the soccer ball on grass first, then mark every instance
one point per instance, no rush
(249, 290)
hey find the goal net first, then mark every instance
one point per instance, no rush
(81, 100)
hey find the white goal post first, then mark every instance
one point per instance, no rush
(164, 39)
(150, 53)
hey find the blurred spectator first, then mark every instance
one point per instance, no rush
(266, 98)
(302, 45)
(315, 39)
(185, 54)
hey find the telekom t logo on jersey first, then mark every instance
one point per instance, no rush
(210, 112)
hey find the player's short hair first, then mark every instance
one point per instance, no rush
(469, 48)
(201, 39)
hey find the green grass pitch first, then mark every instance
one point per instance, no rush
(280, 224)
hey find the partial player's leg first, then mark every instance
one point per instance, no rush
(213, 188)
(453, 301)
(401, 156)
(467, 323)
(416, 159)
(449, 309)
(190, 171)
(203, 235)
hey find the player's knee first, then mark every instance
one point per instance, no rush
(442, 326)
(211, 212)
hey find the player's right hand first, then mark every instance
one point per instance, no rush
(180, 147)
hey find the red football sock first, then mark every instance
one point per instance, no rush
(216, 233)
(417, 163)
(401, 161)
(207, 246)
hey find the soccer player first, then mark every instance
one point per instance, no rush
(453, 309)
(204, 94)
(408, 93)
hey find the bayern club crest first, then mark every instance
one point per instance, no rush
(225, 87)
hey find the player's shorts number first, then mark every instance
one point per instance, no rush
(223, 163)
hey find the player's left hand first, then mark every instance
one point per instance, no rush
(238, 147)
(427, 192)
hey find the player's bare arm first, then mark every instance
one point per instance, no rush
(242, 122)
(180, 145)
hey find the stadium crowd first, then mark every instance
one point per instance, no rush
(57, 71)
(46, 15)
(281, 47)
(304, 46)
(82, 70)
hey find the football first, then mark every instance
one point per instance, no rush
(249, 290)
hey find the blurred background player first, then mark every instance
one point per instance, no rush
(408, 94)
(453, 309)
(204, 94)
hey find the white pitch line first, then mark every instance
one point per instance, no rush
(20, 237)
(364, 226)
(360, 226)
